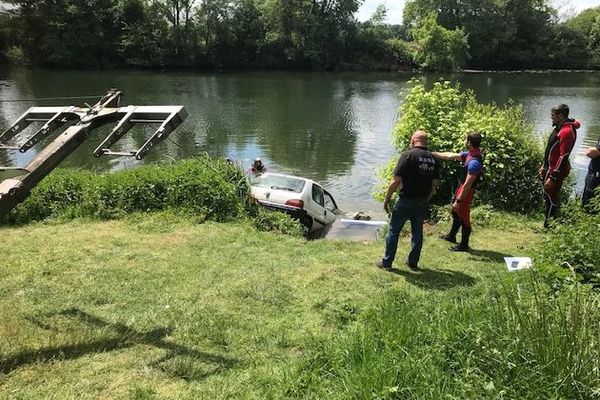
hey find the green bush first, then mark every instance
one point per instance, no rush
(272, 221)
(570, 250)
(210, 188)
(512, 153)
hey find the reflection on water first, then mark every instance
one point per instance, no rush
(331, 127)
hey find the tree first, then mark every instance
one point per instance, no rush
(594, 43)
(438, 48)
(145, 34)
(69, 32)
(501, 33)
(586, 27)
(181, 42)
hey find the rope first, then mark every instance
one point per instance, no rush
(52, 98)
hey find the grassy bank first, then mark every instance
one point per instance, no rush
(154, 306)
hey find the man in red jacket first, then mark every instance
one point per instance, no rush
(556, 165)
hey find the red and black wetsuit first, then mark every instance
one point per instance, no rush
(556, 162)
(461, 217)
(472, 164)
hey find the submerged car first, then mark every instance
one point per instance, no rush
(301, 198)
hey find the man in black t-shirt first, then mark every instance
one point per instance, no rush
(592, 180)
(415, 178)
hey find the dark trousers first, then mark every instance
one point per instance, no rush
(592, 181)
(552, 196)
(404, 210)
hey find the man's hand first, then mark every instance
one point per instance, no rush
(542, 172)
(549, 185)
(386, 205)
(455, 206)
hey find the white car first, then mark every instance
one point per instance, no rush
(298, 197)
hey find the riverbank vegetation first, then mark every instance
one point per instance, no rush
(203, 189)
(512, 151)
(159, 306)
(276, 34)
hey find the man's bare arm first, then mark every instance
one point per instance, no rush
(394, 185)
(446, 155)
(592, 152)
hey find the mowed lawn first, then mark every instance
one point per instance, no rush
(157, 307)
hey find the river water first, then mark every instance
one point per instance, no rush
(332, 127)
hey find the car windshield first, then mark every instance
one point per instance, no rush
(277, 182)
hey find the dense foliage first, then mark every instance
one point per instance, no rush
(207, 188)
(438, 48)
(512, 153)
(508, 34)
(308, 34)
(571, 249)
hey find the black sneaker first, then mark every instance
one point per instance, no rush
(459, 247)
(448, 238)
(413, 267)
(381, 265)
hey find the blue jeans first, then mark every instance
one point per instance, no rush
(405, 209)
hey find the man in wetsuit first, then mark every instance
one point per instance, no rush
(257, 167)
(472, 169)
(556, 165)
(414, 178)
(592, 180)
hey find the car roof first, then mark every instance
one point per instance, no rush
(288, 176)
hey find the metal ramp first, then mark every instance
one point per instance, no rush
(15, 187)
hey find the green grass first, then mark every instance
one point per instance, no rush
(154, 306)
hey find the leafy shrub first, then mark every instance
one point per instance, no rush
(571, 247)
(271, 221)
(16, 56)
(512, 152)
(211, 188)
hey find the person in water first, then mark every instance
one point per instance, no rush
(258, 167)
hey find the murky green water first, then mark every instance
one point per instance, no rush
(331, 127)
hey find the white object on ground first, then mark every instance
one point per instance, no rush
(363, 222)
(518, 263)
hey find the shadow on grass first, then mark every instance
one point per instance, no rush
(488, 255)
(436, 279)
(125, 337)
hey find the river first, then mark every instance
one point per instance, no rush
(332, 127)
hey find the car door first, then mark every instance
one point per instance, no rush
(318, 211)
(330, 207)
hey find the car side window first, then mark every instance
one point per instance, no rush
(329, 202)
(317, 195)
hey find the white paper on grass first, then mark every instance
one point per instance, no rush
(517, 263)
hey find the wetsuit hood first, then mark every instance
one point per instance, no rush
(575, 122)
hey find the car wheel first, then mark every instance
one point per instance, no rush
(307, 222)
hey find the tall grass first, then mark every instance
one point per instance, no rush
(210, 188)
(510, 341)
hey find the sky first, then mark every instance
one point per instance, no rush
(394, 8)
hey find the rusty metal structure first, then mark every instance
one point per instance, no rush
(81, 121)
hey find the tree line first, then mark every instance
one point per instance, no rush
(296, 34)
